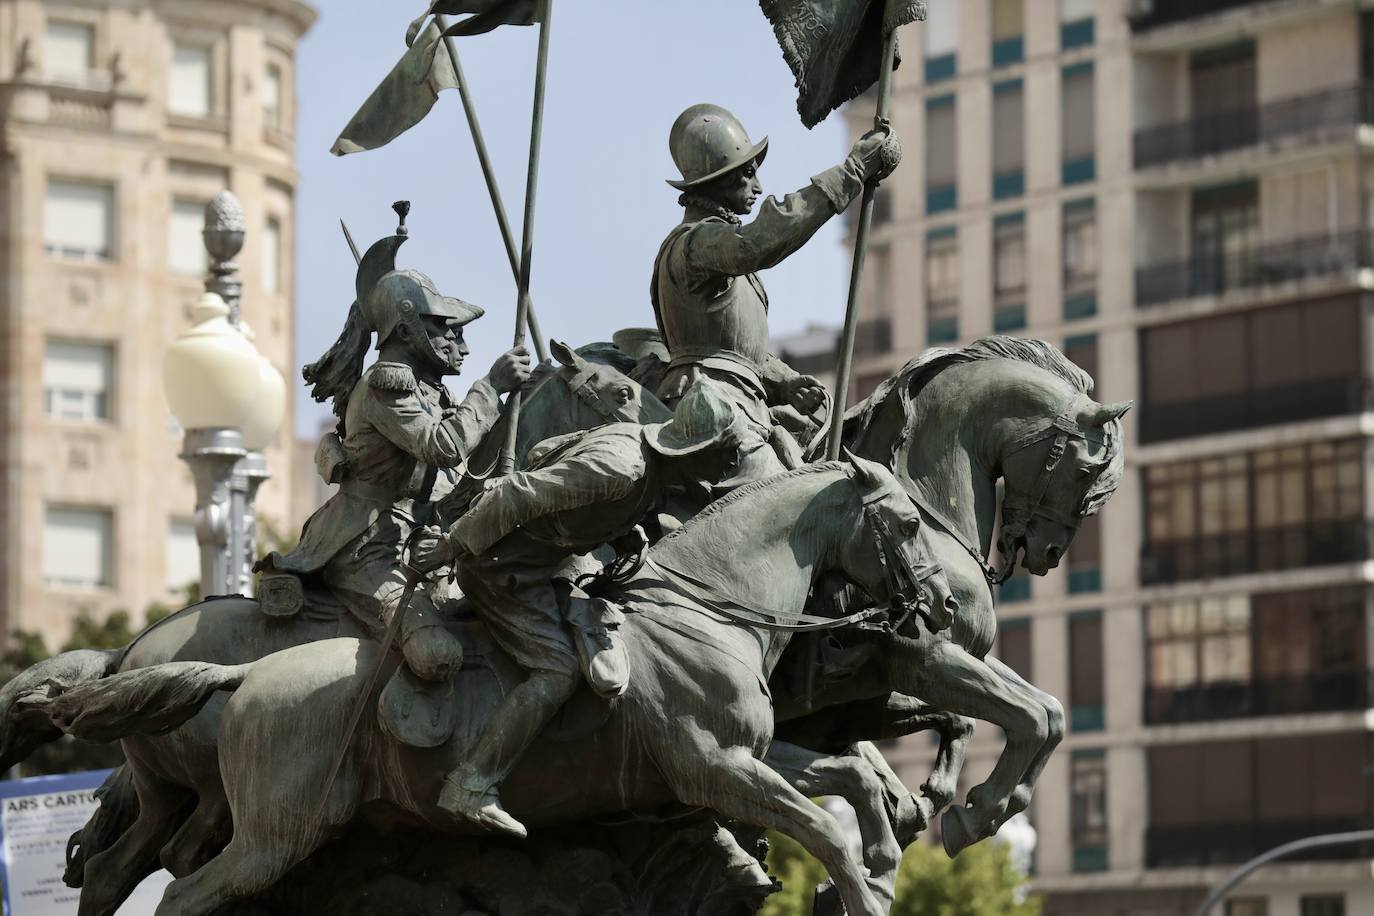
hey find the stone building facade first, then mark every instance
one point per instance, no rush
(1178, 193)
(118, 123)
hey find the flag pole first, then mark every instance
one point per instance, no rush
(851, 315)
(493, 191)
(522, 305)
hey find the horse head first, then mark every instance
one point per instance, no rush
(602, 385)
(1056, 474)
(891, 556)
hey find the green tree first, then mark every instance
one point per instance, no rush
(981, 881)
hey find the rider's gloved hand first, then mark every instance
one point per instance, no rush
(511, 370)
(806, 394)
(877, 154)
(430, 550)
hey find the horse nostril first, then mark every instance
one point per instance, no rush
(1053, 553)
(952, 605)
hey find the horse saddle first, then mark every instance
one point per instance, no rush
(428, 714)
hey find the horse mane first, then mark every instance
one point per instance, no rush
(909, 381)
(749, 489)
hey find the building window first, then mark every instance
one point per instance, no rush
(190, 91)
(78, 220)
(1088, 810)
(1085, 671)
(1080, 259)
(1307, 503)
(77, 381)
(1077, 124)
(1322, 905)
(1076, 23)
(1225, 238)
(273, 97)
(1017, 588)
(1008, 26)
(1009, 273)
(183, 555)
(1198, 642)
(77, 547)
(69, 51)
(941, 39)
(185, 242)
(942, 170)
(942, 287)
(1252, 368)
(271, 255)
(1247, 906)
(1014, 645)
(1009, 145)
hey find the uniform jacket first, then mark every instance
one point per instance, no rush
(581, 491)
(710, 304)
(403, 433)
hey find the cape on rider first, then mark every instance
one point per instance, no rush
(582, 491)
(399, 434)
(708, 300)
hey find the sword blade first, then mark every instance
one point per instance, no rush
(352, 245)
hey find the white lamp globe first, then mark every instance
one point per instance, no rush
(265, 419)
(211, 373)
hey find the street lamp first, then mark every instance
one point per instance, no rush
(230, 400)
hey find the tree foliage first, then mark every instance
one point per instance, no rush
(981, 881)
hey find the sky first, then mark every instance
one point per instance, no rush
(620, 71)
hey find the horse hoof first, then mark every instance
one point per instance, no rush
(957, 831)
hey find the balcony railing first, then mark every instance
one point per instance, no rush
(1192, 845)
(1327, 112)
(1316, 692)
(1149, 14)
(1308, 400)
(1305, 257)
(1256, 550)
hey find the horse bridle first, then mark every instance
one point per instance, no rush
(1018, 511)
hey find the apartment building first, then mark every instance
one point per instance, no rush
(119, 121)
(1177, 192)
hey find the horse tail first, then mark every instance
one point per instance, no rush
(148, 701)
(117, 812)
(23, 726)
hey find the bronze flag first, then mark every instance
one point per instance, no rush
(835, 47)
(404, 97)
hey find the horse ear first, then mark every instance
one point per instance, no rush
(1099, 415)
(867, 474)
(564, 354)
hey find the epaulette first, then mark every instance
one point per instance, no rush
(391, 377)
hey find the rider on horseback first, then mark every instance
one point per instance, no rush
(708, 300)
(399, 432)
(582, 491)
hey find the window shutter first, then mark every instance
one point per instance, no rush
(78, 219)
(941, 142)
(76, 547)
(185, 245)
(183, 555)
(1078, 126)
(942, 28)
(271, 256)
(189, 93)
(69, 51)
(1008, 122)
(1008, 18)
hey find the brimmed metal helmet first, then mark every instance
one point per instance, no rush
(706, 142)
(703, 418)
(391, 297)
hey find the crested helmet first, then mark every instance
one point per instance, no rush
(706, 142)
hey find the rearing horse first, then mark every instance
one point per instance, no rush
(691, 728)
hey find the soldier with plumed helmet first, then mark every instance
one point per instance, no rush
(709, 302)
(400, 438)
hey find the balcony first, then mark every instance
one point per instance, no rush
(1150, 14)
(1326, 114)
(1309, 400)
(1316, 692)
(1193, 845)
(1326, 255)
(1255, 551)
